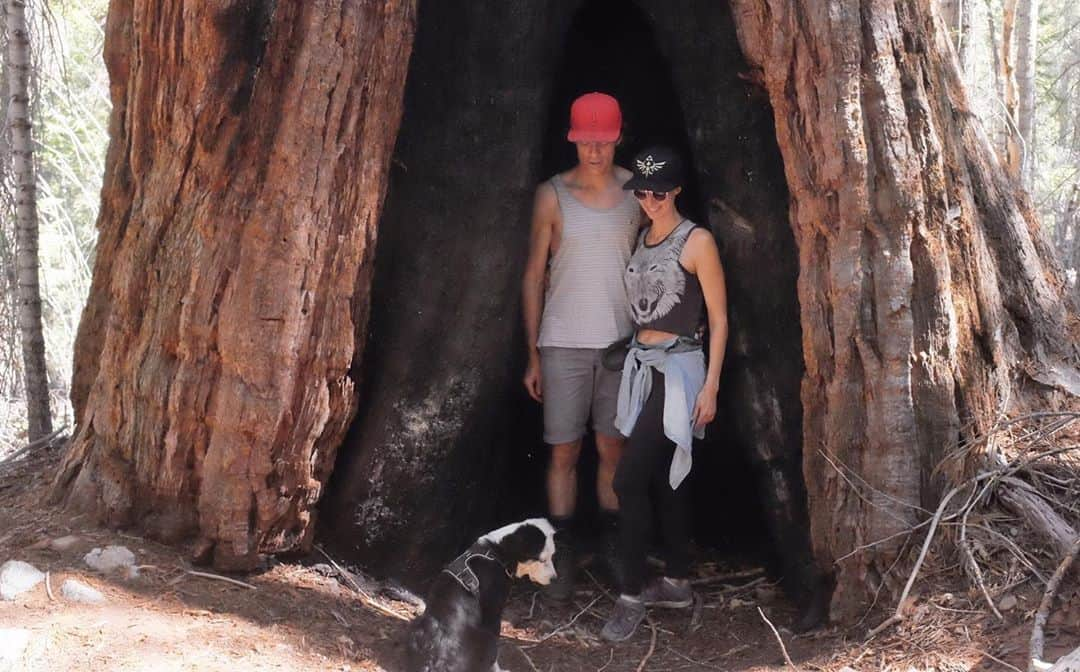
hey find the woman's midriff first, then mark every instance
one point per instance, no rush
(653, 337)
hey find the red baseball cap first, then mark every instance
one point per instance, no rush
(595, 117)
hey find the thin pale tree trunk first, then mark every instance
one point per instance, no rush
(1013, 141)
(39, 418)
(1027, 46)
(997, 131)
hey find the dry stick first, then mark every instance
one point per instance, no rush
(899, 615)
(48, 587)
(527, 659)
(975, 569)
(699, 663)
(652, 646)
(566, 625)
(532, 607)
(611, 657)
(745, 574)
(218, 577)
(45, 440)
(783, 649)
(364, 596)
(1036, 648)
(998, 660)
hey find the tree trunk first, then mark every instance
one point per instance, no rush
(957, 16)
(999, 131)
(1014, 151)
(1027, 45)
(966, 36)
(35, 373)
(925, 284)
(244, 180)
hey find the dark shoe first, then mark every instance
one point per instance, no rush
(561, 588)
(664, 592)
(624, 620)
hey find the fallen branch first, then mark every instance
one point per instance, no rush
(48, 587)
(652, 647)
(566, 625)
(1022, 499)
(783, 649)
(898, 615)
(527, 659)
(43, 441)
(976, 572)
(218, 577)
(745, 574)
(1035, 662)
(699, 663)
(365, 597)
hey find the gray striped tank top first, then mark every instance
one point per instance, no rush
(585, 304)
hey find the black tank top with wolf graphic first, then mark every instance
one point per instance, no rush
(663, 295)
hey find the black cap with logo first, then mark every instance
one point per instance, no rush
(656, 168)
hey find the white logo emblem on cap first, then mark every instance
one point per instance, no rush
(648, 166)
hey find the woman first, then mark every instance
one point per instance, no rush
(667, 395)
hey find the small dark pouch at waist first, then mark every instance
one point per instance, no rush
(614, 355)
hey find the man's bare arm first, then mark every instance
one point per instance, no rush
(544, 221)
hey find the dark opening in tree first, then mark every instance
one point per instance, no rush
(443, 417)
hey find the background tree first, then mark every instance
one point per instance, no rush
(19, 64)
(1027, 47)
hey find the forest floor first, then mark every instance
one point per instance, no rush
(300, 616)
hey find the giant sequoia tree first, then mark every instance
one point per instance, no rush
(889, 287)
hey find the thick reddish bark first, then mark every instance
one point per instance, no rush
(250, 146)
(925, 283)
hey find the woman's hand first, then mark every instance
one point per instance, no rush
(705, 406)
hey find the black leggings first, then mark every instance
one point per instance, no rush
(642, 475)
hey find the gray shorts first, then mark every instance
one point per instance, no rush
(575, 383)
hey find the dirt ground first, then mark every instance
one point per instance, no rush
(304, 616)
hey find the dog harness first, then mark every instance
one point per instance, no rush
(460, 570)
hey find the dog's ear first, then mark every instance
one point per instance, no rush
(522, 545)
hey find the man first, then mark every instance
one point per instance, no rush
(586, 225)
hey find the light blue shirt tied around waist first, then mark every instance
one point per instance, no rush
(683, 364)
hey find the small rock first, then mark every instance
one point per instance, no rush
(13, 642)
(1007, 603)
(17, 577)
(77, 591)
(62, 544)
(112, 558)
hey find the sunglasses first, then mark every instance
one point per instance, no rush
(657, 195)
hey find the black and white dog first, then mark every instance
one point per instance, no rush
(459, 629)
